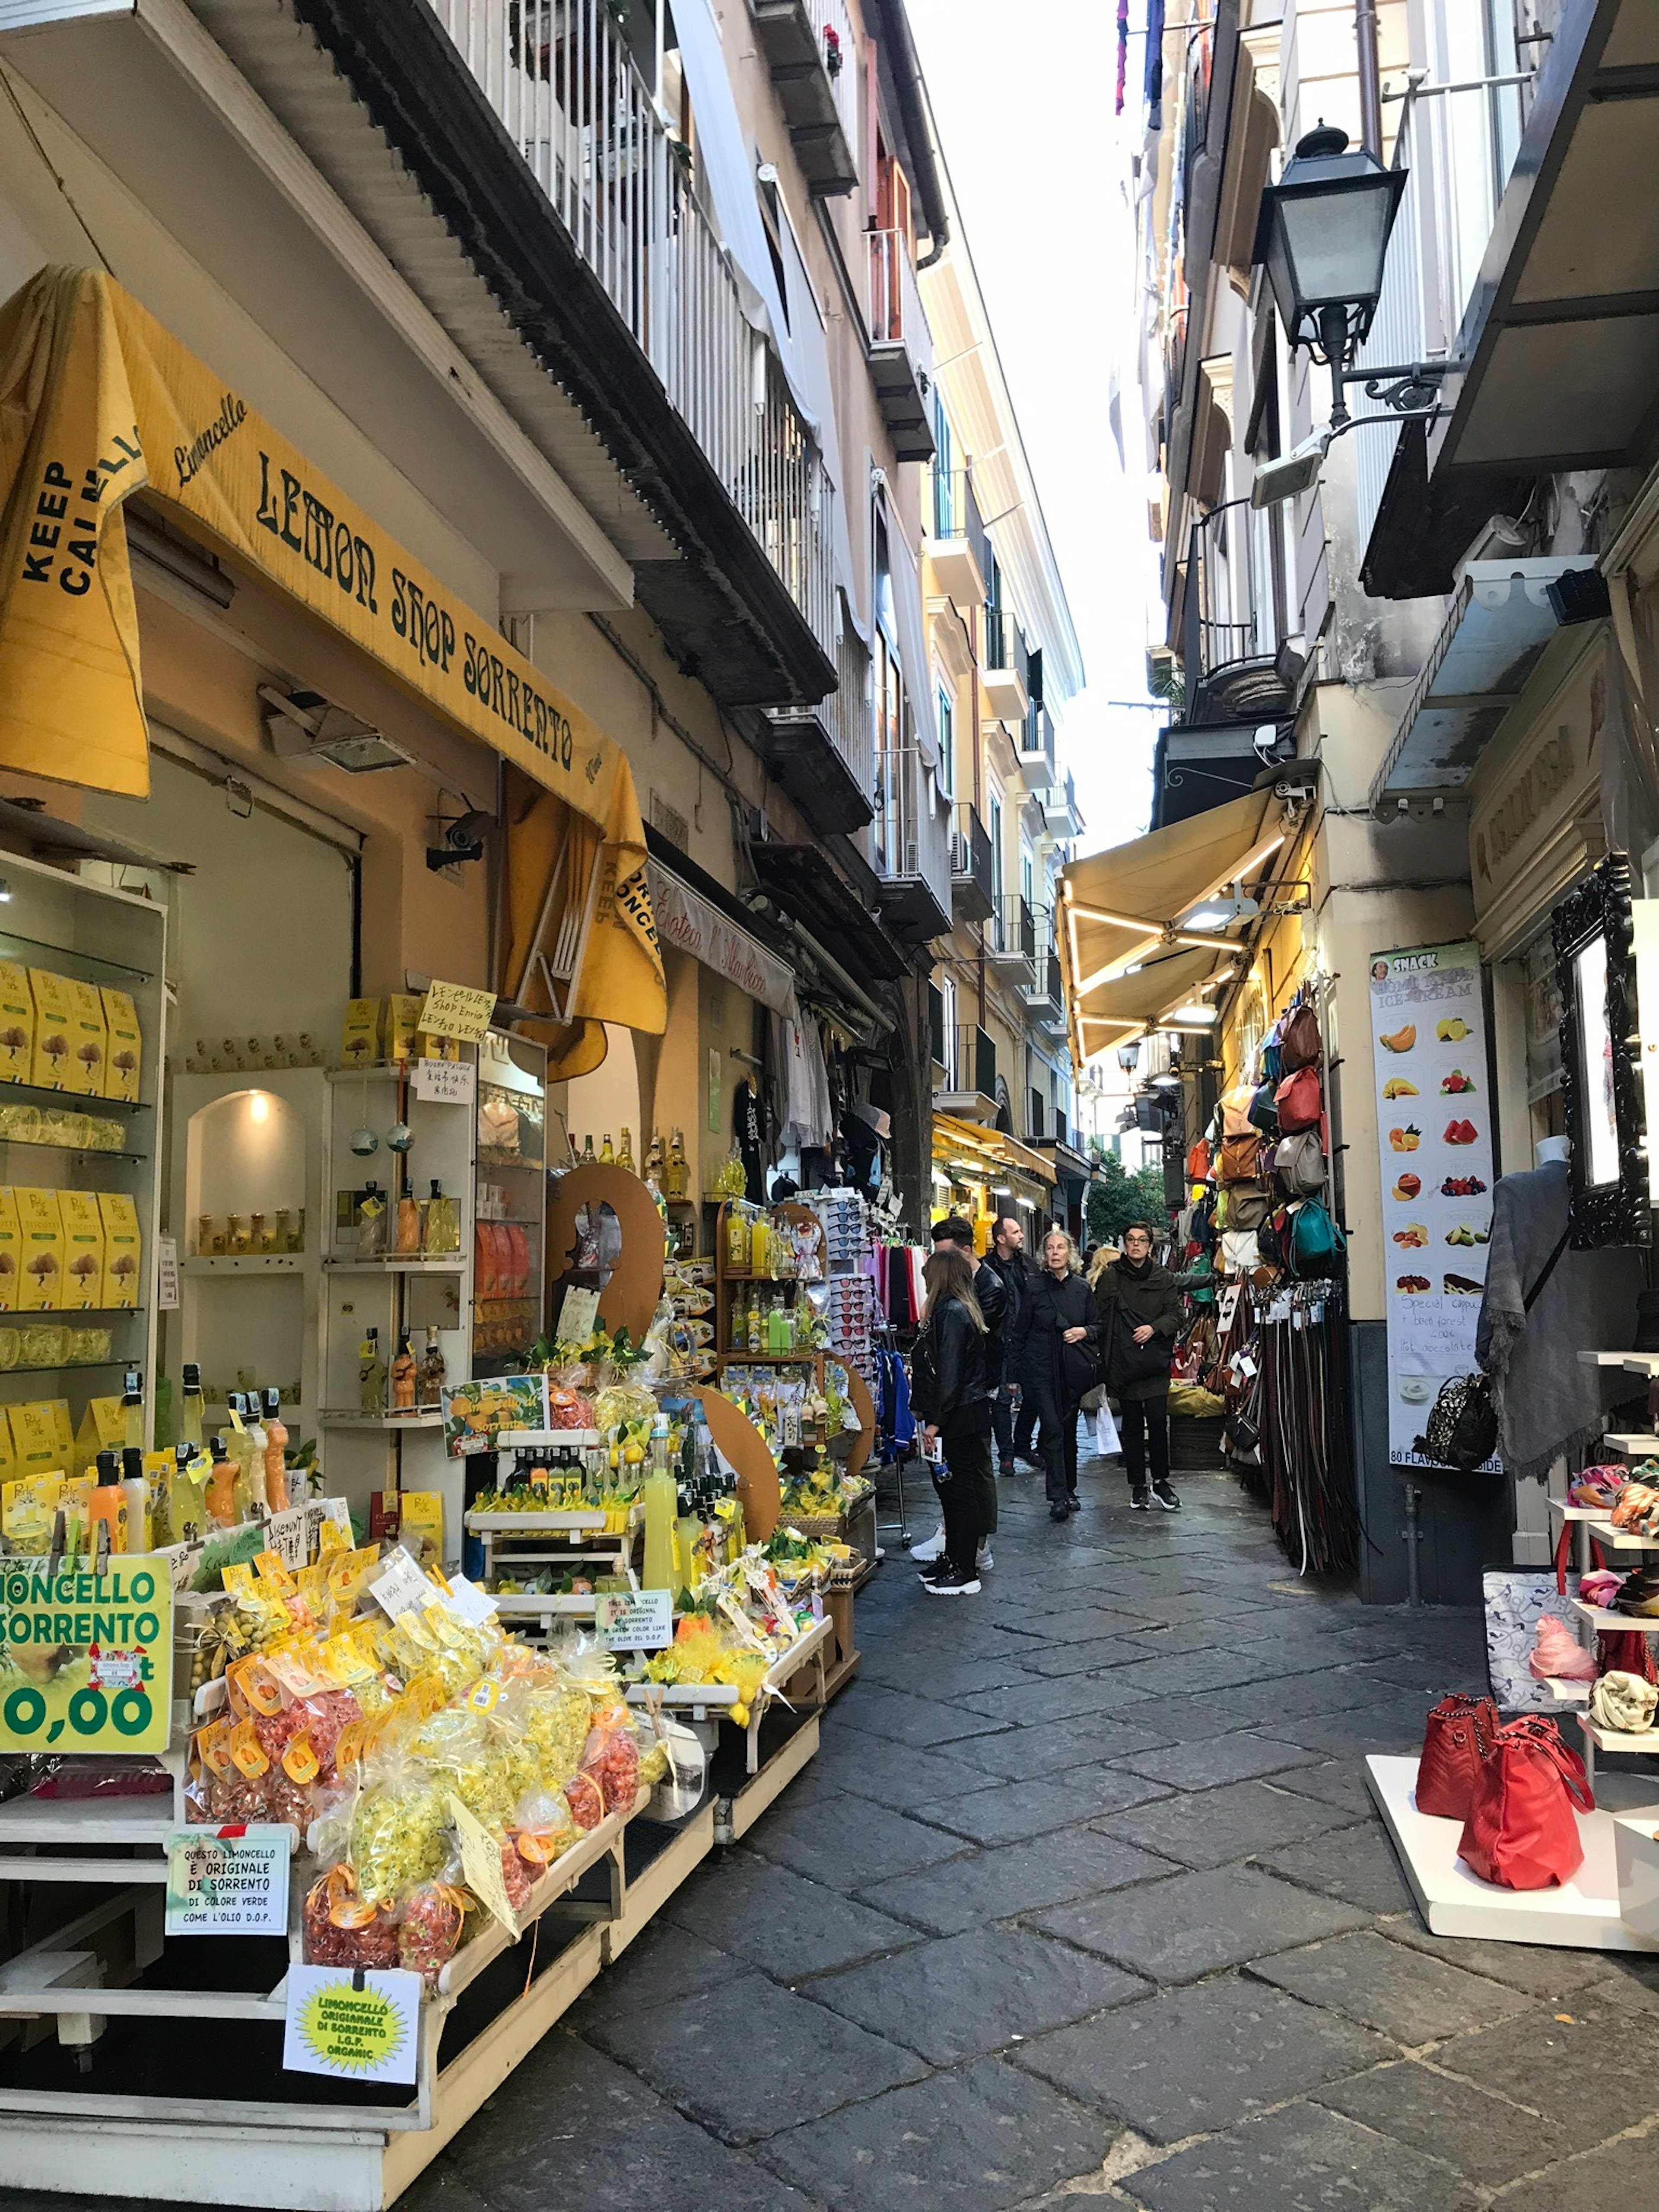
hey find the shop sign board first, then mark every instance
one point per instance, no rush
(454, 1010)
(1434, 1125)
(86, 1659)
(692, 923)
(228, 1881)
(475, 1413)
(353, 2025)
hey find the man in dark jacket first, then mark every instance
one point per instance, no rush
(991, 1295)
(1141, 1335)
(1006, 1259)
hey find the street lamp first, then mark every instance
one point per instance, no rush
(1128, 1056)
(1323, 236)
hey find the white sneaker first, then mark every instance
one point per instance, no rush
(983, 1562)
(932, 1547)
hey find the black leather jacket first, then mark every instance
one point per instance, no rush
(947, 1369)
(1043, 1360)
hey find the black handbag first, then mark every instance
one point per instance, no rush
(1128, 1362)
(1462, 1430)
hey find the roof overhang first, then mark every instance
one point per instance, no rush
(1127, 958)
(987, 1151)
(1497, 625)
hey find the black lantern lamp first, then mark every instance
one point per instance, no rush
(1128, 1056)
(1323, 237)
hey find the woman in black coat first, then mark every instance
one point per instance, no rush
(1142, 1337)
(949, 1389)
(1056, 1361)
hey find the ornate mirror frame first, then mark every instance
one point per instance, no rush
(1591, 931)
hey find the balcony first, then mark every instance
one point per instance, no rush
(907, 849)
(822, 755)
(1005, 672)
(1037, 746)
(1060, 818)
(1230, 634)
(1044, 997)
(973, 881)
(969, 1086)
(957, 549)
(1011, 937)
(813, 63)
(900, 347)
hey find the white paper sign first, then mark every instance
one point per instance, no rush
(228, 1881)
(578, 1315)
(334, 2027)
(443, 1082)
(400, 1586)
(167, 1274)
(636, 1620)
(1434, 1125)
(287, 1533)
(471, 1603)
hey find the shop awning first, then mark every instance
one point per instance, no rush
(100, 402)
(693, 924)
(985, 1154)
(1129, 954)
(1499, 622)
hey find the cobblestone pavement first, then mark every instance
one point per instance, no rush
(1084, 1899)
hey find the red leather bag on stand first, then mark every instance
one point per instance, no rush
(1522, 1831)
(1460, 1733)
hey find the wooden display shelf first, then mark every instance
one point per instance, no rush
(1600, 1617)
(245, 1263)
(1634, 1443)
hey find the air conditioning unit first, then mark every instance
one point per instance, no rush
(304, 725)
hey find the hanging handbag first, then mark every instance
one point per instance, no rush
(1241, 1158)
(1240, 1252)
(1264, 1113)
(1250, 1205)
(1522, 1829)
(1299, 1164)
(1458, 1736)
(1298, 1100)
(1316, 1245)
(1236, 1113)
(1462, 1430)
(1198, 1161)
(1300, 1046)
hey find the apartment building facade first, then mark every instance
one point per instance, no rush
(1403, 614)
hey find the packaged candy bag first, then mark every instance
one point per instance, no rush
(429, 1930)
(339, 1928)
(611, 1757)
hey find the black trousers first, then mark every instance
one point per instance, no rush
(962, 1498)
(1057, 1416)
(1144, 1426)
(1015, 1429)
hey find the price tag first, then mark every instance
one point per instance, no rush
(85, 1660)
(367, 2034)
(636, 1620)
(167, 1274)
(578, 1315)
(470, 1602)
(444, 1082)
(228, 1881)
(451, 1010)
(401, 1587)
(480, 1866)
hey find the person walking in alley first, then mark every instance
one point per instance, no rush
(991, 1293)
(1013, 1425)
(1139, 1314)
(1056, 1361)
(948, 1390)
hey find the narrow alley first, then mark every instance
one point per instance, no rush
(1084, 1897)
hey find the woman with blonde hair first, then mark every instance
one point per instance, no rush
(948, 1390)
(1056, 1362)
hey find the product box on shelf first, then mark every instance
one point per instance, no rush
(40, 1439)
(82, 1285)
(16, 1023)
(54, 1022)
(103, 1428)
(88, 1040)
(26, 1507)
(360, 1040)
(403, 1040)
(124, 1061)
(123, 1250)
(11, 1253)
(40, 1229)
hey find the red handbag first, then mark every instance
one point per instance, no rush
(1299, 1046)
(1522, 1831)
(1298, 1100)
(1198, 1169)
(1458, 1735)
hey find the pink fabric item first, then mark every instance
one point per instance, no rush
(1558, 1652)
(1600, 1586)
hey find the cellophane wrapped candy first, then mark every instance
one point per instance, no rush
(430, 1929)
(611, 1757)
(585, 1799)
(338, 1928)
(399, 1830)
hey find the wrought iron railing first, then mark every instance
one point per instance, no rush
(970, 848)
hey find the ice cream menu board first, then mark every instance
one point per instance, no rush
(1434, 1123)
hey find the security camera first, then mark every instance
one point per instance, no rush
(463, 840)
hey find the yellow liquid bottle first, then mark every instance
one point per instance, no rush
(760, 1246)
(625, 1152)
(660, 1501)
(190, 1406)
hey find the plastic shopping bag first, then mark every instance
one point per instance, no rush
(1107, 1441)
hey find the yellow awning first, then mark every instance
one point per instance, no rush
(98, 401)
(1128, 959)
(984, 1151)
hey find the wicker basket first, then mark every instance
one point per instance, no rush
(815, 1524)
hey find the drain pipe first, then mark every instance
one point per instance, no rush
(1370, 78)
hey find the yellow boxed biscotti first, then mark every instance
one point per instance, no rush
(41, 1243)
(124, 1061)
(402, 1039)
(123, 1250)
(83, 1250)
(16, 1023)
(360, 1043)
(83, 1071)
(37, 1443)
(103, 1428)
(11, 1255)
(54, 1024)
(26, 1507)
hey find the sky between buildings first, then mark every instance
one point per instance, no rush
(1024, 98)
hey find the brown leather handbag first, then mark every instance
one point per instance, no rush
(1241, 1158)
(1300, 1045)
(1460, 1735)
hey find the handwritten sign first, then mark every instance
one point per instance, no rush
(367, 2034)
(228, 1881)
(480, 1866)
(452, 1010)
(444, 1082)
(579, 1316)
(401, 1587)
(636, 1620)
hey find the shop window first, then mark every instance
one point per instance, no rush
(1034, 1125)
(947, 718)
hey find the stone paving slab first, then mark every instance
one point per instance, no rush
(1300, 2159)
(889, 1773)
(1533, 1969)
(1408, 1995)
(1620, 2175)
(1057, 1747)
(979, 2140)
(772, 1918)
(1010, 1811)
(1017, 1878)
(1357, 1864)
(1193, 1923)
(748, 2058)
(1213, 1827)
(1491, 2139)
(1205, 1764)
(899, 1717)
(846, 1843)
(1056, 1698)
(967, 1996)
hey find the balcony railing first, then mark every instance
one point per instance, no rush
(1011, 934)
(1043, 993)
(1004, 645)
(900, 347)
(972, 875)
(850, 708)
(815, 70)
(561, 75)
(1457, 147)
(970, 1059)
(955, 513)
(1036, 745)
(1230, 634)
